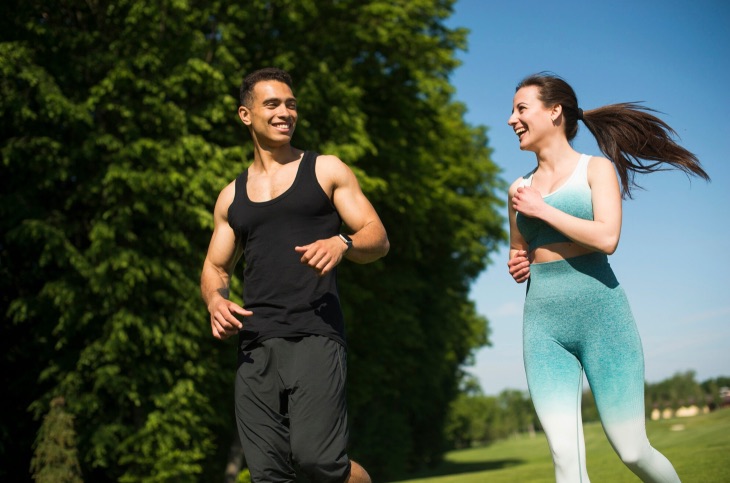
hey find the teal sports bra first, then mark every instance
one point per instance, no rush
(573, 198)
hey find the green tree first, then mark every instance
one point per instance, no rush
(472, 420)
(55, 457)
(475, 419)
(712, 388)
(108, 178)
(518, 413)
(679, 390)
(118, 131)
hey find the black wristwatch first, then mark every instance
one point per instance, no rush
(347, 240)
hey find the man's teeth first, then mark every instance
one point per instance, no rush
(520, 131)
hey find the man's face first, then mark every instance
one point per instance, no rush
(272, 115)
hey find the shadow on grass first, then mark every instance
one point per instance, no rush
(447, 468)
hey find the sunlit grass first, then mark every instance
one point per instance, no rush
(699, 448)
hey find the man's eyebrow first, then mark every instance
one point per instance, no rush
(278, 99)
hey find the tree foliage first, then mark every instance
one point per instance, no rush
(679, 390)
(55, 457)
(714, 389)
(476, 419)
(119, 129)
(108, 176)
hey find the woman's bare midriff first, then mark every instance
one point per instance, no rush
(557, 251)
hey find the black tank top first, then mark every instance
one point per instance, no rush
(287, 298)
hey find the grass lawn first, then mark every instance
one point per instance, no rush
(698, 447)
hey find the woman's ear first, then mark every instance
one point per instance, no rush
(556, 112)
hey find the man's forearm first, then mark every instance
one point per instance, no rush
(212, 284)
(369, 243)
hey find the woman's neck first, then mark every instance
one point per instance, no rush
(551, 157)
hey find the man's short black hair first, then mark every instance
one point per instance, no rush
(265, 74)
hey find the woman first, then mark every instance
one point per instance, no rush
(565, 218)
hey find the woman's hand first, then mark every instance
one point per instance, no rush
(528, 201)
(519, 266)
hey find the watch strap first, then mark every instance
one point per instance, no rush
(346, 239)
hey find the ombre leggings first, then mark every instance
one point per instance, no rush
(577, 319)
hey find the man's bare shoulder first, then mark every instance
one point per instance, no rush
(229, 191)
(225, 199)
(330, 161)
(331, 169)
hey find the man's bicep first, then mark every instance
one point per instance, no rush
(351, 203)
(223, 251)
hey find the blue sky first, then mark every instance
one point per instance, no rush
(673, 255)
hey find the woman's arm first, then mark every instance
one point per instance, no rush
(518, 263)
(603, 232)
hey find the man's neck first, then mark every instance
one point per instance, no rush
(267, 158)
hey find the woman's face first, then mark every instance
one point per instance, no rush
(530, 119)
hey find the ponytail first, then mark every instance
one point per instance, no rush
(629, 135)
(626, 133)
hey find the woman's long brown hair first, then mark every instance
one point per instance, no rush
(626, 133)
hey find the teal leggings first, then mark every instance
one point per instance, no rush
(577, 319)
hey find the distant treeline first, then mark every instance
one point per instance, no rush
(476, 419)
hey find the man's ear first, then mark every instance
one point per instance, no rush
(245, 114)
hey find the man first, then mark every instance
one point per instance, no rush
(284, 216)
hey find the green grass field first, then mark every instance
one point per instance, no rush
(698, 447)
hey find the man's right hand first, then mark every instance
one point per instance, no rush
(223, 320)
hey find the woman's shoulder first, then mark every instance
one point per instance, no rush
(592, 160)
(523, 180)
(601, 170)
(599, 164)
(516, 184)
